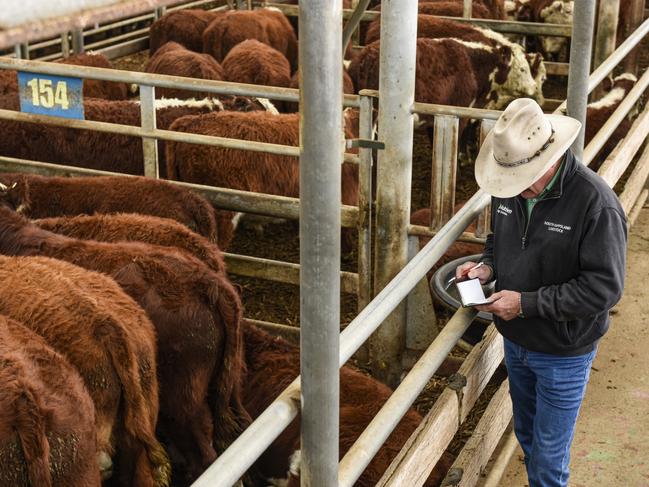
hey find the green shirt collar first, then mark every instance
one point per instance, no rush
(557, 175)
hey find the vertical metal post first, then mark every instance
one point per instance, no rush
(365, 204)
(467, 9)
(483, 227)
(442, 194)
(320, 22)
(579, 70)
(65, 44)
(421, 328)
(607, 19)
(394, 171)
(77, 42)
(635, 17)
(149, 144)
(22, 51)
(159, 12)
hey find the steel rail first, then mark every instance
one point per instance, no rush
(222, 198)
(168, 135)
(509, 26)
(244, 451)
(162, 81)
(603, 70)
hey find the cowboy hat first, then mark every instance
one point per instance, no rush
(521, 147)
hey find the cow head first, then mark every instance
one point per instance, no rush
(558, 12)
(539, 74)
(15, 195)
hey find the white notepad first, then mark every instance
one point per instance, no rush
(471, 293)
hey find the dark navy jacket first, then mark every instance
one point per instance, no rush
(568, 262)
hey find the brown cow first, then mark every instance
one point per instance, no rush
(519, 80)
(267, 25)
(184, 26)
(495, 8)
(598, 112)
(97, 150)
(196, 313)
(88, 319)
(273, 363)
(131, 227)
(551, 12)
(107, 90)
(47, 419)
(44, 197)
(176, 60)
(254, 62)
(245, 170)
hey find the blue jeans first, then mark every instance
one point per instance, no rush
(546, 391)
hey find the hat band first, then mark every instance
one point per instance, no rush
(527, 159)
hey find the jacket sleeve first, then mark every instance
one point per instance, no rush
(599, 284)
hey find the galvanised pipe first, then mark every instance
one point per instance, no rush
(370, 441)
(611, 124)
(394, 172)
(353, 22)
(245, 450)
(579, 69)
(223, 198)
(321, 71)
(400, 286)
(614, 59)
(506, 26)
(162, 81)
(135, 131)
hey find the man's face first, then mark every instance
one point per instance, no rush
(540, 184)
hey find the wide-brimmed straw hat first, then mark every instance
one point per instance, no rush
(521, 147)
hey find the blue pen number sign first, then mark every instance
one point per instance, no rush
(51, 95)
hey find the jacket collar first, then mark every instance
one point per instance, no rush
(569, 169)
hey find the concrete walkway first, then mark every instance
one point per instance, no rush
(611, 446)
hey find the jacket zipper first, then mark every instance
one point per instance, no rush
(529, 219)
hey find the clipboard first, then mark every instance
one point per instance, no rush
(471, 293)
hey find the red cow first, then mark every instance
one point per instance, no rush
(176, 60)
(273, 363)
(184, 26)
(47, 419)
(88, 319)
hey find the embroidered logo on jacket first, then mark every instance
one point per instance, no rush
(503, 210)
(557, 227)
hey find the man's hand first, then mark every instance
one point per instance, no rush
(504, 304)
(483, 272)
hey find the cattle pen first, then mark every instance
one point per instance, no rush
(388, 269)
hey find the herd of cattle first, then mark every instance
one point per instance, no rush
(124, 357)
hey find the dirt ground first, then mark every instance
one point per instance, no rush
(611, 445)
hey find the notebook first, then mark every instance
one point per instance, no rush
(471, 293)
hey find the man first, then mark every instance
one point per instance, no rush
(557, 252)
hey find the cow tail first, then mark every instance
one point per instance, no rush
(30, 426)
(231, 417)
(138, 423)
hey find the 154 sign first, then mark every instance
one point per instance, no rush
(51, 95)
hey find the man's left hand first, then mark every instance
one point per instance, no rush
(504, 304)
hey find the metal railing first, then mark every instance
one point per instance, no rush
(231, 465)
(244, 451)
(223, 198)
